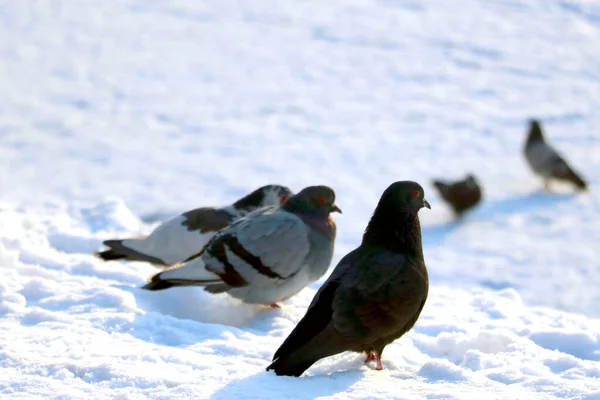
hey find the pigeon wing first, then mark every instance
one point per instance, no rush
(272, 244)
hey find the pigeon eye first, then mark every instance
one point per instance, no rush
(416, 193)
(283, 198)
(321, 200)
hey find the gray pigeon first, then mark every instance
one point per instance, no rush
(267, 256)
(462, 194)
(373, 296)
(546, 162)
(182, 236)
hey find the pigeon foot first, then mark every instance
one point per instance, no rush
(379, 366)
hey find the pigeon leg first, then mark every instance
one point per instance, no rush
(379, 366)
(275, 305)
(547, 186)
(370, 357)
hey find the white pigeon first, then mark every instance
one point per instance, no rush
(267, 256)
(182, 236)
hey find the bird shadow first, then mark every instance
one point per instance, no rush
(183, 316)
(179, 322)
(436, 234)
(302, 388)
(521, 203)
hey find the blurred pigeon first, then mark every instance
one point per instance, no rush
(462, 194)
(267, 256)
(373, 296)
(182, 236)
(546, 162)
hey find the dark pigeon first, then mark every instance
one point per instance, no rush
(547, 162)
(180, 237)
(267, 256)
(461, 195)
(373, 296)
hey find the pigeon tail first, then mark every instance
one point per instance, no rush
(576, 180)
(110, 255)
(294, 363)
(157, 284)
(192, 273)
(441, 186)
(118, 251)
(564, 172)
(282, 366)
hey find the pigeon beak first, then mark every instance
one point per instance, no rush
(335, 208)
(426, 204)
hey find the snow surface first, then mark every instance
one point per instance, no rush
(115, 115)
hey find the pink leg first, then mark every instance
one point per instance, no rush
(275, 305)
(379, 366)
(370, 357)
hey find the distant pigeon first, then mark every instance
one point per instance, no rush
(373, 296)
(267, 256)
(461, 195)
(182, 236)
(546, 162)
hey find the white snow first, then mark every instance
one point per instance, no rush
(116, 115)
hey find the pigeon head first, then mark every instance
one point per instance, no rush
(440, 185)
(275, 195)
(269, 195)
(313, 200)
(471, 181)
(395, 223)
(404, 196)
(535, 130)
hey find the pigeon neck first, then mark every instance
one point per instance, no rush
(291, 206)
(400, 233)
(320, 220)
